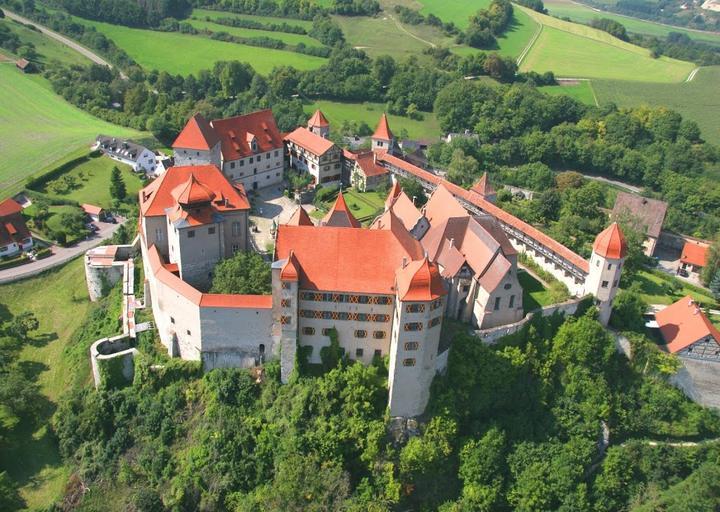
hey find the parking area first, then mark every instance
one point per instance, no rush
(270, 205)
(669, 262)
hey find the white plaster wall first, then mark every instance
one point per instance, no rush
(268, 171)
(231, 337)
(575, 288)
(484, 312)
(154, 226)
(194, 157)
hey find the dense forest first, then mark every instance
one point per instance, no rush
(672, 12)
(515, 426)
(134, 13)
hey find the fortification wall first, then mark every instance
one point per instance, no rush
(576, 288)
(112, 360)
(700, 381)
(490, 336)
(98, 278)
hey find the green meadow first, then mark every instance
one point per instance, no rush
(290, 39)
(185, 53)
(584, 14)
(208, 13)
(581, 91)
(370, 113)
(512, 43)
(48, 49)
(577, 51)
(697, 100)
(37, 127)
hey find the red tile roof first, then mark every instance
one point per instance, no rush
(346, 260)
(312, 142)
(403, 207)
(22, 63)
(483, 186)
(339, 215)
(695, 253)
(197, 134)
(236, 134)
(158, 195)
(420, 281)
(394, 192)
(300, 218)
(318, 119)
(368, 165)
(9, 207)
(192, 192)
(610, 243)
(383, 129)
(683, 323)
(91, 209)
(497, 212)
(291, 270)
(206, 300)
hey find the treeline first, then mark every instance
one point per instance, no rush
(487, 24)
(415, 17)
(301, 9)
(256, 25)
(653, 147)
(612, 27)
(133, 13)
(670, 12)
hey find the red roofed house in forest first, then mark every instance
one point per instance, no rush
(310, 151)
(694, 257)
(688, 332)
(247, 148)
(14, 234)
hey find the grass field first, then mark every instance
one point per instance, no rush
(364, 206)
(514, 40)
(93, 178)
(184, 54)
(48, 49)
(202, 13)
(577, 51)
(535, 295)
(370, 113)
(59, 300)
(582, 91)
(584, 14)
(290, 39)
(457, 11)
(697, 100)
(654, 289)
(37, 128)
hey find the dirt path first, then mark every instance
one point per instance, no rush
(692, 74)
(400, 26)
(529, 46)
(62, 39)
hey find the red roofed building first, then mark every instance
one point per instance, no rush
(693, 257)
(383, 139)
(319, 125)
(316, 155)
(483, 188)
(688, 332)
(339, 215)
(247, 148)
(14, 234)
(195, 217)
(365, 172)
(300, 218)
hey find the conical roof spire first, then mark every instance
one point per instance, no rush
(610, 243)
(382, 131)
(339, 215)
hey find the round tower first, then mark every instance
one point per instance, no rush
(606, 262)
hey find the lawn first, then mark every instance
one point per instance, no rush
(364, 206)
(512, 43)
(581, 91)
(457, 11)
(93, 181)
(658, 288)
(48, 49)
(59, 300)
(584, 14)
(185, 54)
(535, 295)
(383, 36)
(203, 13)
(370, 113)
(697, 100)
(289, 39)
(37, 128)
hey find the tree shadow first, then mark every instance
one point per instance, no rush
(40, 340)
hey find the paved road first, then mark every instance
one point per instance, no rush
(60, 255)
(64, 40)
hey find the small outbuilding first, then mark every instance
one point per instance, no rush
(96, 213)
(693, 258)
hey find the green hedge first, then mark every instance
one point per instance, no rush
(15, 262)
(40, 179)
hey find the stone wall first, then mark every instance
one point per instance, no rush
(109, 353)
(700, 381)
(490, 336)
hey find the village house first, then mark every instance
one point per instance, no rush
(693, 258)
(688, 332)
(646, 215)
(15, 237)
(140, 158)
(248, 149)
(365, 174)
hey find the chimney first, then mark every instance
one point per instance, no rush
(404, 262)
(452, 243)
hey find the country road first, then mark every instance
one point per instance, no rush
(64, 40)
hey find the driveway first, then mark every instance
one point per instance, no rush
(60, 255)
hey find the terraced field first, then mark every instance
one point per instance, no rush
(184, 54)
(290, 39)
(578, 51)
(37, 127)
(584, 14)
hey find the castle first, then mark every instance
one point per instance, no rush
(383, 290)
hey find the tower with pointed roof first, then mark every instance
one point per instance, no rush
(383, 138)
(339, 215)
(319, 125)
(606, 262)
(420, 303)
(197, 144)
(483, 188)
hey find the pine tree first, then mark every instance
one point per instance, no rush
(117, 185)
(715, 285)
